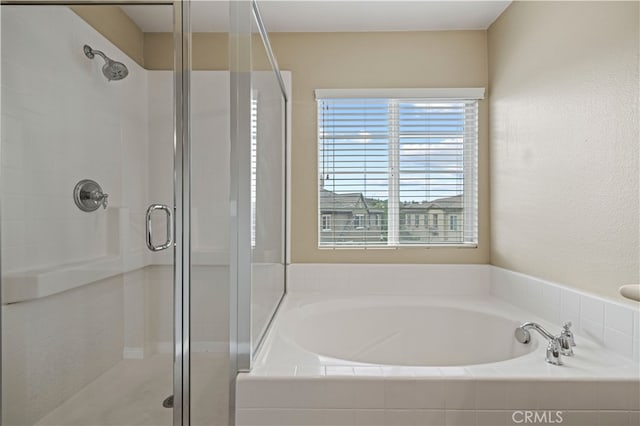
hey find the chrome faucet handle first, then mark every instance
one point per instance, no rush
(104, 200)
(99, 197)
(566, 340)
(568, 334)
(565, 345)
(553, 352)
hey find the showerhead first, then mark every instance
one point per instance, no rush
(111, 69)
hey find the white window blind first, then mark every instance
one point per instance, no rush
(254, 164)
(398, 159)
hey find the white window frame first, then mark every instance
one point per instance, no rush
(470, 168)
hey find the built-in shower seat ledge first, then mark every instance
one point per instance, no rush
(38, 283)
(43, 282)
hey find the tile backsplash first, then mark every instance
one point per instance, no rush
(615, 325)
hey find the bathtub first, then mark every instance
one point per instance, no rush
(402, 331)
(441, 357)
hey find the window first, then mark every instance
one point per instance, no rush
(326, 222)
(399, 153)
(453, 223)
(358, 221)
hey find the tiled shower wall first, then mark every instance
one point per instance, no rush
(62, 121)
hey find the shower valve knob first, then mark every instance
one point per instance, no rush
(88, 196)
(99, 197)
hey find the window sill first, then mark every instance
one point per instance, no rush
(400, 247)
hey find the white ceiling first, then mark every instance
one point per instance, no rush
(333, 15)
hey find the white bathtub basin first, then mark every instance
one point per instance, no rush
(402, 333)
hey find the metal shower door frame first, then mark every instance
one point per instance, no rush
(182, 223)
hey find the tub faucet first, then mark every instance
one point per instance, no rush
(558, 345)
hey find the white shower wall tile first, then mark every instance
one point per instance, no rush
(369, 418)
(613, 418)
(491, 395)
(493, 418)
(619, 318)
(610, 323)
(592, 309)
(618, 342)
(401, 393)
(550, 304)
(395, 417)
(460, 394)
(340, 394)
(583, 397)
(375, 279)
(99, 132)
(339, 417)
(368, 393)
(570, 307)
(431, 394)
(34, 345)
(593, 330)
(404, 417)
(466, 404)
(460, 418)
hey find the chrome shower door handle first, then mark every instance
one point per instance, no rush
(169, 242)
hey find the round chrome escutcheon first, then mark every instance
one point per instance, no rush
(88, 196)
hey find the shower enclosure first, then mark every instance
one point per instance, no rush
(142, 208)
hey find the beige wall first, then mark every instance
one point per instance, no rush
(564, 130)
(153, 51)
(353, 60)
(115, 26)
(564, 142)
(210, 51)
(375, 60)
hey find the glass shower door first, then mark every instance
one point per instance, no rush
(95, 312)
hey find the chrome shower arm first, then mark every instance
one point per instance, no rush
(90, 53)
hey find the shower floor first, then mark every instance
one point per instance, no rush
(132, 391)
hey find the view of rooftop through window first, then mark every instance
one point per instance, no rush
(393, 171)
